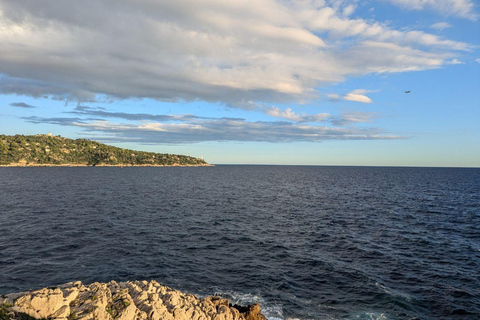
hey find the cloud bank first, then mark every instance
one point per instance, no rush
(219, 130)
(232, 52)
(111, 126)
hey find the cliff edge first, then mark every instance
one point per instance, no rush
(132, 300)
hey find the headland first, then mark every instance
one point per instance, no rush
(46, 150)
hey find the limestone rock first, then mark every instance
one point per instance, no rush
(132, 300)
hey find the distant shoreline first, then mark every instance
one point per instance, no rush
(18, 165)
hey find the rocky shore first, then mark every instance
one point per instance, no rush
(132, 300)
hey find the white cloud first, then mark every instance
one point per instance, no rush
(276, 112)
(289, 114)
(333, 97)
(455, 61)
(441, 25)
(460, 8)
(349, 10)
(358, 96)
(352, 117)
(477, 60)
(285, 114)
(234, 52)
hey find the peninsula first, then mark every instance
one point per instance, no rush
(132, 300)
(49, 150)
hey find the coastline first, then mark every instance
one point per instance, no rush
(22, 165)
(56, 151)
(131, 300)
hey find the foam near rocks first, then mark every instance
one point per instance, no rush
(132, 300)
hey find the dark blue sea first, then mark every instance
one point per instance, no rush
(304, 242)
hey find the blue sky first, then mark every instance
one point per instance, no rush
(252, 81)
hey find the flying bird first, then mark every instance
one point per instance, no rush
(408, 91)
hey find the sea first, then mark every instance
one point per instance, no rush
(306, 242)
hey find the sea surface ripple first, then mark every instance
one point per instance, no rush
(305, 242)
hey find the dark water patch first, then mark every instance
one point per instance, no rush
(305, 242)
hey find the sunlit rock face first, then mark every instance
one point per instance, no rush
(132, 300)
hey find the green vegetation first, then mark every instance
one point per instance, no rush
(72, 315)
(4, 313)
(115, 308)
(109, 310)
(56, 150)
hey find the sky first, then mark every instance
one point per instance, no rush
(307, 82)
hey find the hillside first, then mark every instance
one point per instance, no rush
(55, 150)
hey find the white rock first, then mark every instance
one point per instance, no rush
(133, 300)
